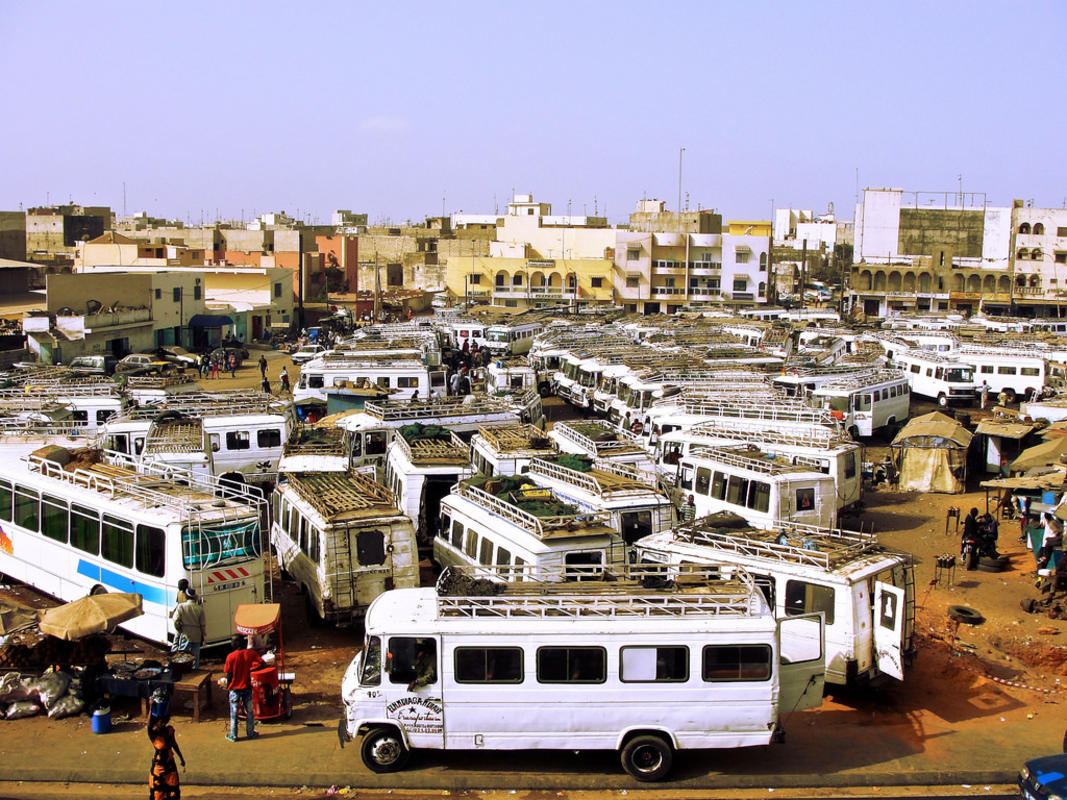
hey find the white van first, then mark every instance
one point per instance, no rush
(421, 467)
(1014, 371)
(343, 540)
(866, 592)
(502, 521)
(368, 432)
(539, 666)
(762, 488)
(868, 402)
(636, 507)
(512, 338)
(944, 378)
(508, 449)
(407, 377)
(829, 451)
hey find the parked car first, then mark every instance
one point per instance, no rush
(178, 355)
(306, 352)
(93, 365)
(144, 364)
(224, 353)
(235, 344)
(1044, 777)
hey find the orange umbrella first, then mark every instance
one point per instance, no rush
(96, 613)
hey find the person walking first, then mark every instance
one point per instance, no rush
(232, 364)
(190, 624)
(240, 664)
(284, 378)
(263, 366)
(215, 366)
(163, 783)
(265, 385)
(205, 365)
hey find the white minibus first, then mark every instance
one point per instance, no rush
(643, 671)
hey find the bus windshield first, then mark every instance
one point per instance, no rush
(958, 374)
(497, 336)
(212, 545)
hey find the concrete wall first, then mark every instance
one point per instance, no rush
(13, 235)
(878, 225)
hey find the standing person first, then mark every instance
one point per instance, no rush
(453, 383)
(205, 365)
(265, 385)
(464, 383)
(232, 364)
(984, 394)
(689, 509)
(284, 378)
(1051, 538)
(215, 365)
(263, 366)
(240, 664)
(163, 777)
(190, 623)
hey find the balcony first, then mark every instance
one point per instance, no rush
(676, 269)
(667, 291)
(566, 293)
(704, 294)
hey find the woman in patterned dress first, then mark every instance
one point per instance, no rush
(163, 779)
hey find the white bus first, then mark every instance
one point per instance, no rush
(867, 402)
(341, 537)
(512, 338)
(406, 377)
(944, 378)
(827, 450)
(865, 592)
(502, 520)
(96, 524)
(421, 467)
(508, 449)
(601, 440)
(1014, 371)
(368, 432)
(636, 507)
(645, 672)
(763, 489)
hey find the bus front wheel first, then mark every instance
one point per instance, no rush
(942, 400)
(647, 758)
(384, 750)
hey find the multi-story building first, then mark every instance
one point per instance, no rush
(53, 232)
(1039, 259)
(921, 251)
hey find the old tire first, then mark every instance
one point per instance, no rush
(383, 750)
(965, 615)
(647, 758)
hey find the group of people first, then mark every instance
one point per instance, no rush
(980, 534)
(462, 361)
(212, 364)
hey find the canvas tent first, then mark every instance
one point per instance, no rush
(931, 454)
(1045, 454)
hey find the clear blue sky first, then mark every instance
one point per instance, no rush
(388, 108)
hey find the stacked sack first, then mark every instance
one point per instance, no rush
(60, 693)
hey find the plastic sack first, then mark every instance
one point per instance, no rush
(26, 708)
(66, 706)
(50, 687)
(13, 688)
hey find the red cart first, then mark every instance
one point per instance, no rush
(271, 685)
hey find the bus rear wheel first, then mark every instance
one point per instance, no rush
(383, 750)
(647, 758)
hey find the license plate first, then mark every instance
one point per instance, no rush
(225, 587)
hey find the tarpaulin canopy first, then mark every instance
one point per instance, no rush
(1048, 452)
(933, 430)
(96, 613)
(209, 321)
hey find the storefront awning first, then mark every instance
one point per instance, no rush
(209, 321)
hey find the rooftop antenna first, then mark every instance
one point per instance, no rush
(681, 152)
(124, 198)
(594, 206)
(857, 185)
(443, 196)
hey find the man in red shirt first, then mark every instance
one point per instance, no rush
(240, 664)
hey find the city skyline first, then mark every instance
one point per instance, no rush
(196, 111)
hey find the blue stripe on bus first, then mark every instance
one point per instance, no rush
(151, 594)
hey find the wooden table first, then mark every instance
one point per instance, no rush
(195, 684)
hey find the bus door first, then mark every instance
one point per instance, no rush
(802, 662)
(889, 629)
(412, 689)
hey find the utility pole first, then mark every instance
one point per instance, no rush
(681, 151)
(377, 290)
